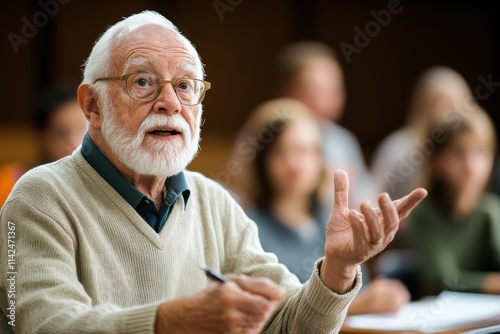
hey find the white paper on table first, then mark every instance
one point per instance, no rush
(450, 310)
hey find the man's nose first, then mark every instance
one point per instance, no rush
(167, 100)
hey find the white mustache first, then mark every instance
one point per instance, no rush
(175, 121)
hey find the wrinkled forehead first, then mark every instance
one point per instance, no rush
(154, 44)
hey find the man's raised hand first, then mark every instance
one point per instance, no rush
(353, 236)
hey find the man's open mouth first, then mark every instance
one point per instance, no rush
(164, 132)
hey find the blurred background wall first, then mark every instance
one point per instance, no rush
(238, 43)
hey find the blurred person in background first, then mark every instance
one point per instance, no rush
(59, 126)
(456, 230)
(398, 163)
(310, 72)
(288, 173)
(287, 178)
(496, 179)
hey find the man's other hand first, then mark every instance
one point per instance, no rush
(243, 306)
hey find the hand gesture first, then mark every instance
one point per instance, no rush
(352, 236)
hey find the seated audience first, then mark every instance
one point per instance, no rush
(288, 177)
(59, 127)
(110, 239)
(398, 163)
(456, 230)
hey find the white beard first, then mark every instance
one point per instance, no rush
(145, 155)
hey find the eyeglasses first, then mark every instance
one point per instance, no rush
(147, 86)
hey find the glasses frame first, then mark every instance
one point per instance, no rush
(207, 85)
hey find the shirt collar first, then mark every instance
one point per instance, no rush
(110, 174)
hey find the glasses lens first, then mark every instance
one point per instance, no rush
(189, 91)
(143, 86)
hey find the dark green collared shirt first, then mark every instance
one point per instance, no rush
(145, 206)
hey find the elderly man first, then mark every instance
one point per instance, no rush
(110, 239)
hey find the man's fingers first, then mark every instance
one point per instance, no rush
(260, 286)
(244, 309)
(373, 224)
(407, 203)
(389, 212)
(341, 184)
(251, 304)
(358, 226)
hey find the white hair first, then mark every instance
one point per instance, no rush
(98, 63)
(137, 152)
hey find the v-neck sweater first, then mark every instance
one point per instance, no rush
(86, 262)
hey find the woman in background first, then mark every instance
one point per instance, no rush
(397, 164)
(289, 172)
(456, 230)
(285, 177)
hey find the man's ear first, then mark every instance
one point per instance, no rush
(87, 99)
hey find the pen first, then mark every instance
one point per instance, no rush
(213, 276)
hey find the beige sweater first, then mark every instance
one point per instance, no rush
(86, 262)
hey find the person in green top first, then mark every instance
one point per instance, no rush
(456, 230)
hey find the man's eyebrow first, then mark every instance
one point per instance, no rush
(186, 69)
(136, 62)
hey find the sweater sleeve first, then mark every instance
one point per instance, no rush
(308, 308)
(47, 294)
(314, 308)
